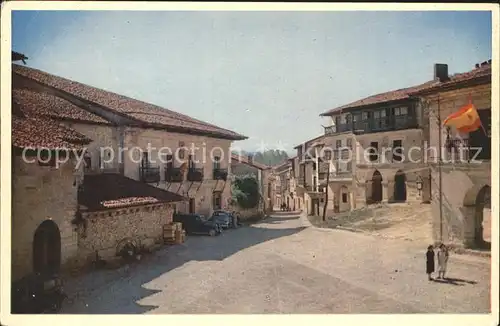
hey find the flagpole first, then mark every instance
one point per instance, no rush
(439, 172)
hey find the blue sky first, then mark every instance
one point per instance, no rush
(267, 75)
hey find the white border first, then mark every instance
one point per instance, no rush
(7, 319)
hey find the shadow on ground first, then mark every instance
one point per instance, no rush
(454, 281)
(124, 287)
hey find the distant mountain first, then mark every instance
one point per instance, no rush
(270, 157)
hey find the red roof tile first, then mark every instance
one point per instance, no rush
(399, 94)
(112, 190)
(405, 93)
(38, 133)
(147, 113)
(41, 104)
(483, 71)
(244, 160)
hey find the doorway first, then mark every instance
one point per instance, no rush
(47, 248)
(400, 187)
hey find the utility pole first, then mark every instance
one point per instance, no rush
(326, 191)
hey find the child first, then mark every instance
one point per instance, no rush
(430, 261)
(442, 257)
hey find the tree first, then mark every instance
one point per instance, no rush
(246, 191)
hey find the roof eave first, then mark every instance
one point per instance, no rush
(365, 106)
(486, 79)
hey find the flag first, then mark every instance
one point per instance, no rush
(465, 120)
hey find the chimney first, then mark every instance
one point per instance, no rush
(441, 72)
(477, 65)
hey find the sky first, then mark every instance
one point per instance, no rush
(266, 75)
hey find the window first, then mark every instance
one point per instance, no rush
(373, 150)
(344, 197)
(338, 143)
(401, 111)
(87, 160)
(328, 154)
(169, 163)
(349, 166)
(145, 159)
(216, 162)
(47, 158)
(192, 206)
(181, 150)
(365, 115)
(349, 143)
(190, 162)
(397, 150)
(217, 200)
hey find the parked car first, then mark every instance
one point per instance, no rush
(224, 220)
(231, 217)
(197, 224)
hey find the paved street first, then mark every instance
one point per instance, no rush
(284, 265)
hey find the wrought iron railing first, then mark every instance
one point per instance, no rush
(396, 122)
(195, 174)
(149, 174)
(220, 174)
(174, 175)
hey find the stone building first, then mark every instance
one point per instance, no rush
(67, 207)
(461, 193)
(384, 134)
(287, 192)
(148, 143)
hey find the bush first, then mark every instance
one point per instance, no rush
(246, 192)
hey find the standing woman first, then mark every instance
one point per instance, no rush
(442, 257)
(430, 262)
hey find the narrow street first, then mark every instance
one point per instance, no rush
(284, 265)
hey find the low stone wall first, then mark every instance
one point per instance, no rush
(102, 234)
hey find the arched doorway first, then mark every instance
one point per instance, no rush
(482, 220)
(400, 187)
(376, 191)
(47, 248)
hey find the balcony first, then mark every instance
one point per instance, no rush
(389, 123)
(149, 174)
(195, 175)
(174, 175)
(220, 174)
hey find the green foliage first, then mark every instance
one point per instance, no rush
(270, 157)
(246, 191)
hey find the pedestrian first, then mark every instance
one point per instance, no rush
(442, 258)
(430, 261)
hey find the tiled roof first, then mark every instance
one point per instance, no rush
(481, 71)
(39, 132)
(244, 160)
(399, 94)
(308, 142)
(42, 104)
(143, 112)
(110, 190)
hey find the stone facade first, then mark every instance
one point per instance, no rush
(205, 147)
(457, 211)
(412, 165)
(41, 193)
(103, 233)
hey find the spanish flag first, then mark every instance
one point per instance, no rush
(465, 120)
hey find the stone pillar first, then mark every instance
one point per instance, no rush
(385, 191)
(389, 191)
(366, 192)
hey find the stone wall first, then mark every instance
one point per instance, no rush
(41, 193)
(454, 221)
(104, 232)
(205, 149)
